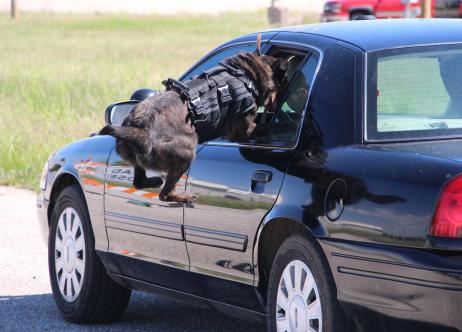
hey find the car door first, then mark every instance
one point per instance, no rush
(238, 183)
(138, 224)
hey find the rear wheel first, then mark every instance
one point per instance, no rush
(301, 290)
(355, 15)
(82, 289)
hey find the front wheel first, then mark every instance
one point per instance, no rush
(301, 290)
(82, 289)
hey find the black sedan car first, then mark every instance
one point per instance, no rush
(346, 214)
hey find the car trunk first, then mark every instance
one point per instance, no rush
(448, 149)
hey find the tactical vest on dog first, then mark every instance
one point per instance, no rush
(215, 94)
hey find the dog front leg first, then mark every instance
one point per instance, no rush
(141, 181)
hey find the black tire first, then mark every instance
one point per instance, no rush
(100, 298)
(304, 249)
(354, 15)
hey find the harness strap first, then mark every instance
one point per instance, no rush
(222, 87)
(173, 84)
(233, 70)
(240, 75)
(217, 69)
(191, 96)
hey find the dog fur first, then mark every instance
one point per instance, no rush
(158, 135)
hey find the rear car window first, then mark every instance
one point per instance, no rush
(415, 93)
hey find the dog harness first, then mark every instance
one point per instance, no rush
(214, 95)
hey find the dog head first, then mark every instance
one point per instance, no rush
(269, 74)
(279, 67)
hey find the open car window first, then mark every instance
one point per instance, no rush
(285, 124)
(281, 128)
(415, 93)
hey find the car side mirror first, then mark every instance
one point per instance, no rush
(117, 112)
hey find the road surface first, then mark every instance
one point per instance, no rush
(26, 303)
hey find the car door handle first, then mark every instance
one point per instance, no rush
(262, 176)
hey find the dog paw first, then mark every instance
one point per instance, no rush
(188, 198)
(193, 198)
(179, 197)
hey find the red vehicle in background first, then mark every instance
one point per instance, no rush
(342, 10)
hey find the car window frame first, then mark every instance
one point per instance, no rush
(221, 49)
(187, 75)
(368, 135)
(268, 44)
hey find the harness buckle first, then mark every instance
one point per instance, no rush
(224, 89)
(195, 102)
(224, 95)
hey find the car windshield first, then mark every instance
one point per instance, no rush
(415, 93)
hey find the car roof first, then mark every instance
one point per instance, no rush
(371, 35)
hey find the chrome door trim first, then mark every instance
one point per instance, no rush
(144, 226)
(218, 239)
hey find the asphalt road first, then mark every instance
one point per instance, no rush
(26, 302)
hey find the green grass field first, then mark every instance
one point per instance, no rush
(59, 72)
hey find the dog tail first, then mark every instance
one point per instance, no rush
(135, 135)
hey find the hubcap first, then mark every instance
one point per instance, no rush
(69, 254)
(298, 306)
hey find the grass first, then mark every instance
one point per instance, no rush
(59, 72)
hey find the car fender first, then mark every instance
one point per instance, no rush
(295, 219)
(83, 162)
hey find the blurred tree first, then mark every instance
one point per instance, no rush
(14, 10)
(426, 8)
(278, 15)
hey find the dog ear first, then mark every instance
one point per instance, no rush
(258, 46)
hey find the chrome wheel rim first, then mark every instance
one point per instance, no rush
(69, 254)
(298, 306)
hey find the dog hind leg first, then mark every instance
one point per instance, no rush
(141, 181)
(174, 158)
(169, 194)
(132, 142)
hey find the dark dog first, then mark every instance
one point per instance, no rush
(159, 133)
